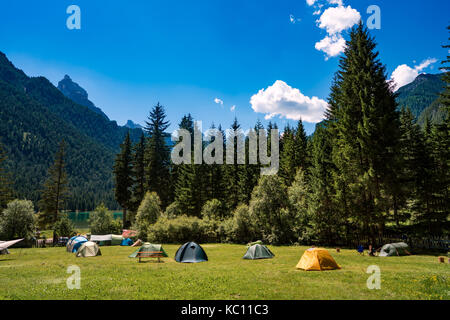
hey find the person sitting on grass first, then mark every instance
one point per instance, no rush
(360, 249)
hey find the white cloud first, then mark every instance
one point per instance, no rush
(337, 19)
(218, 101)
(404, 74)
(310, 2)
(331, 45)
(283, 100)
(317, 12)
(233, 107)
(338, 2)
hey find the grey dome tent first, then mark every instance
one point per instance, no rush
(258, 251)
(190, 252)
(394, 249)
(88, 249)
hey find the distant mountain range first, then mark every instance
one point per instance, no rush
(36, 116)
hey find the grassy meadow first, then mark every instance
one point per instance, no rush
(41, 273)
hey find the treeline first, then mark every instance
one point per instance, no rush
(367, 169)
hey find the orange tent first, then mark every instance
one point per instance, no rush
(317, 259)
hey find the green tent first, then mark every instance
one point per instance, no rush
(258, 251)
(116, 240)
(394, 249)
(148, 247)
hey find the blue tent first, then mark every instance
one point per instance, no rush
(75, 242)
(126, 242)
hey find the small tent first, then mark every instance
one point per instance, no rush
(317, 259)
(126, 242)
(74, 243)
(149, 247)
(88, 249)
(258, 251)
(190, 252)
(394, 249)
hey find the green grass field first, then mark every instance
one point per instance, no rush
(42, 274)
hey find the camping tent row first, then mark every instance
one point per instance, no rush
(111, 239)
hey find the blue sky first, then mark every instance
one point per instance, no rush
(130, 55)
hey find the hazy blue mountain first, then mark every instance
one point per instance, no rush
(130, 124)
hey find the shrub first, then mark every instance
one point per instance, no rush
(269, 207)
(101, 221)
(241, 228)
(212, 209)
(64, 227)
(173, 210)
(184, 228)
(18, 220)
(148, 213)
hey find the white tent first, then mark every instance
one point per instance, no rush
(106, 237)
(5, 244)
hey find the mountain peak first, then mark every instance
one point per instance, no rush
(130, 124)
(76, 93)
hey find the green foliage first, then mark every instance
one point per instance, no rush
(64, 227)
(5, 182)
(157, 155)
(241, 228)
(123, 178)
(269, 207)
(55, 192)
(17, 220)
(173, 210)
(184, 228)
(212, 210)
(101, 221)
(148, 213)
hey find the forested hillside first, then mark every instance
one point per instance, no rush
(35, 117)
(421, 97)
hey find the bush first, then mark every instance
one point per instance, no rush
(64, 227)
(241, 228)
(269, 206)
(183, 228)
(173, 210)
(18, 220)
(101, 221)
(212, 209)
(148, 213)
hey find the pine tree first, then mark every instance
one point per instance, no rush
(366, 130)
(288, 165)
(5, 183)
(123, 172)
(138, 190)
(55, 193)
(301, 146)
(232, 171)
(157, 155)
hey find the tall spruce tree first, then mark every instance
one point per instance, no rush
(157, 155)
(123, 172)
(55, 192)
(366, 131)
(232, 171)
(5, 182)
(138, 190)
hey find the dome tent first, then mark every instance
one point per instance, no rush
(88, 249)
(74, 243)
(149, 247)
(258, 251)
(317, 259)
(190, 252)
(394, 249)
